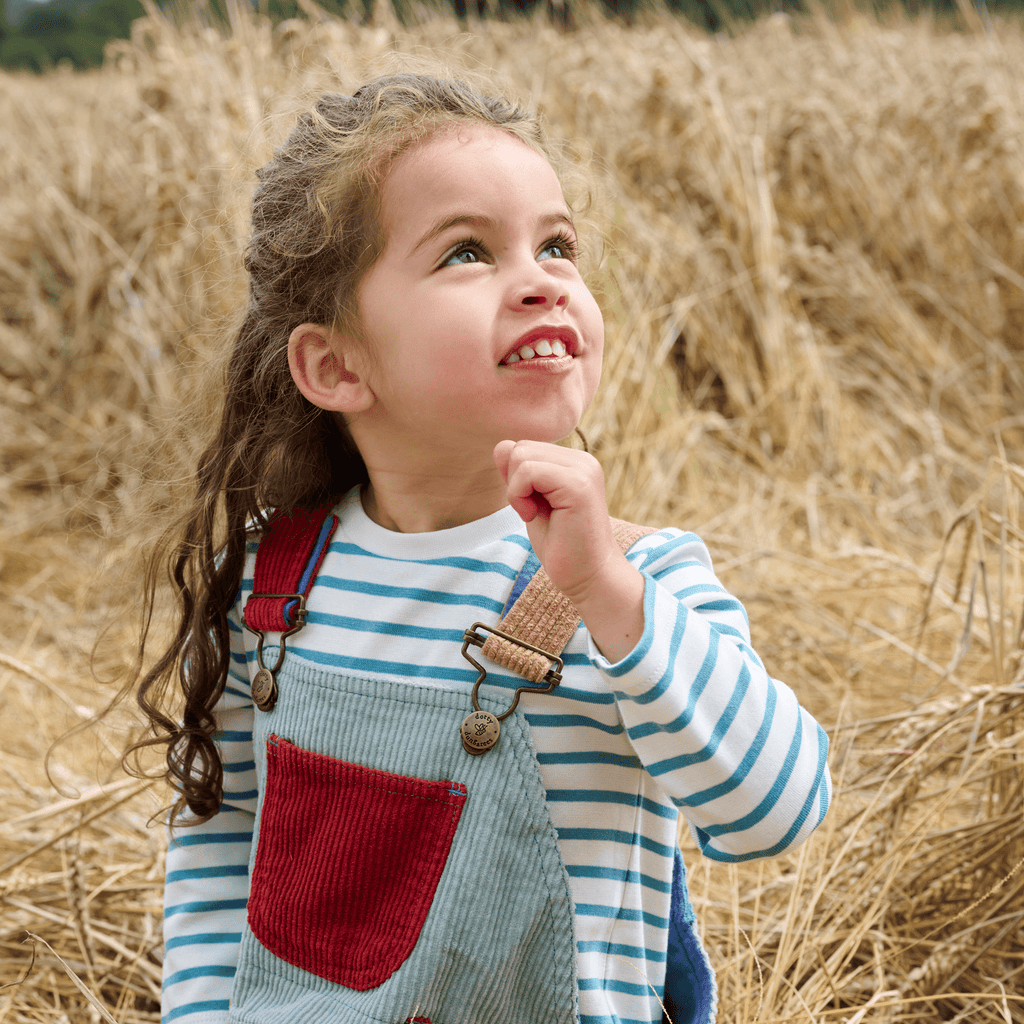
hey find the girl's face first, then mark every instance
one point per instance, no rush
(479, 324)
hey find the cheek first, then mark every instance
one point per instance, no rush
(593, 322)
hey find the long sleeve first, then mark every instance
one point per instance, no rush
(207, 884)
(729, 745)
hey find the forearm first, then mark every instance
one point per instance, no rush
(612, 609)
(730, 745)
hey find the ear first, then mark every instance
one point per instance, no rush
(326, 369)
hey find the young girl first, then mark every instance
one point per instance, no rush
(386, 824)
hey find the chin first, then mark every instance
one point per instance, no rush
(544, 436)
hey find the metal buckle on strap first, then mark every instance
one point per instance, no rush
(481, 729)
(264, 684)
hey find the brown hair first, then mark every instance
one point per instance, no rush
(315, 233)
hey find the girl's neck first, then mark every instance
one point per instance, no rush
(425, 504)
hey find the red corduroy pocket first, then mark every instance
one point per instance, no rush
(347, 863)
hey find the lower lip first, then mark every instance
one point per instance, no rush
(549, 364)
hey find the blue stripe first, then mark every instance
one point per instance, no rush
(528, 571)
(644, 643)
(203, 939)
(326, 529)
(621, 914)
(611, 835)
(414, 594)
(589, 757)
(718, 606)
(386, 627)
(721, 728)
(619, 949)
(233, 736)
(728, 630)
(626, 875)
(583, 696)
(236, 767)
(237, 691)
(589, 1018)
(206, 971)
(612, 985)
(205, 907)
(675, 642)
(787, 839)
(611, 796)
(202, 839)
(206, 1006)
(581, 657)
(705, 588)
(232, 796)
(572, 722)
(213, 871)
(743, 768)
(378, 666)
(670, 543)
(771, 798)
(475, 565)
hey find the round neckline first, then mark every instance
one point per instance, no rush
(373, 537)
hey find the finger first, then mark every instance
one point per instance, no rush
(529, 507)
(541, 451)
(502, 455)
(559, 486)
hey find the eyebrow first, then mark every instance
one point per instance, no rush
(473, 220)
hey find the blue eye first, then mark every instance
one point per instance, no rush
(560, 248)
(467, 252)
(462, 256)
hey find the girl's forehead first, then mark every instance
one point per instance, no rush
(471, 168)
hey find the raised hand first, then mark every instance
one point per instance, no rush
(559, 494)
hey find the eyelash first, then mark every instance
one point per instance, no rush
(562, 239)
(567, 242)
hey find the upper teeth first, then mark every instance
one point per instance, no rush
(538, 348)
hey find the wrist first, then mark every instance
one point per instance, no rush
(612, 608)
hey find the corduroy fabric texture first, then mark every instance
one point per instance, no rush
(498, 943)
(287, 563)
(544, 617)
(349, 863)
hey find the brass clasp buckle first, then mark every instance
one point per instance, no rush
(481, 729)
(264, 687)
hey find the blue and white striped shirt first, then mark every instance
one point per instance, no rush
(689, 721)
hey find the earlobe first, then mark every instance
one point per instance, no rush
(326, 370)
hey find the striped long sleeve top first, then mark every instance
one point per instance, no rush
(688, 722)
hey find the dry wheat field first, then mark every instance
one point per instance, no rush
(813, 275)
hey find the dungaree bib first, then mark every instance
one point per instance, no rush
(395, 877)
(456, 902)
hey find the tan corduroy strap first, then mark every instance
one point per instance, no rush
(544, 617)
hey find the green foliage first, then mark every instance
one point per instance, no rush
(75, 31)
(65, 31)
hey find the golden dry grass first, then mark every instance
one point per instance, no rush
(814, 283)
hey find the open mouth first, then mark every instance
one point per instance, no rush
(543, 348)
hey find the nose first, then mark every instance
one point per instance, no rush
(541, 299)
(538, 287)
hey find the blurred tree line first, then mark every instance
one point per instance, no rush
(40, 36)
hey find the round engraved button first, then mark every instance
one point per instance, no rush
(264, 690)
(480, 731)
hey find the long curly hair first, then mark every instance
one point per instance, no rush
(316, 231)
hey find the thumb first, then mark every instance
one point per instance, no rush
(502, 455)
